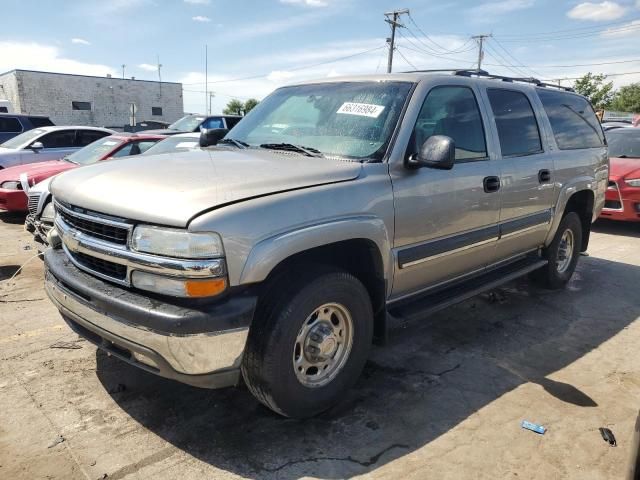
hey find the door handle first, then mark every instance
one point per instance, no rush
(544, 176)
(491, 184)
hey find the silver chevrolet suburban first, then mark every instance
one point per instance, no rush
(278, 254)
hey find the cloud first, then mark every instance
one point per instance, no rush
(306, 3)
(148, 67)
(279, 75)
(34, 56)
(80, 41)
(485, 10)
(198, 2)
(597, 11)
(200, 18)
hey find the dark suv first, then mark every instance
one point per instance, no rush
(12, 124)
(193, 123)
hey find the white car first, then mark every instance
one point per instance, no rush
(48, 143)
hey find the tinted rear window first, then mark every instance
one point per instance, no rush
(10, 124)
(40, 122)
(515, 121)
(572, 119)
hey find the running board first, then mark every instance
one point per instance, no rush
(424, 305)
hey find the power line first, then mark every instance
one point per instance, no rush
(444, 50)
(517, 63)
(406, 59)
(630, 27)
(294, 69)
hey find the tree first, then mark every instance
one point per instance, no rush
(627, 99)
(234, 107)
(249, 104)
(593, 86)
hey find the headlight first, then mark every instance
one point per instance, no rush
(172, 242)
(11, 185)
(633, 182)
(48, 212)
(178, 287)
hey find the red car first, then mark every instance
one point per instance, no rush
(12, 180)
(622, 201)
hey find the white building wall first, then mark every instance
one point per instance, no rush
(9, 90)
(52, 94)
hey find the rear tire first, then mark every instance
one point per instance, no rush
(562, 253)
(309, 341)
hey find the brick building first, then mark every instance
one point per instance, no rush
(85, 100)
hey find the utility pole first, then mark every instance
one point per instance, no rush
(159, 76)
(123, 65)
(392, 19)
(206, 77)
(480, 39)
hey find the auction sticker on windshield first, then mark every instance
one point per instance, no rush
(362, 109)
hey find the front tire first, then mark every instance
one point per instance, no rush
(309, 342)
(562, 254)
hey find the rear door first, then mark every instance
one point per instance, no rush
(446, 220)
(526, 171)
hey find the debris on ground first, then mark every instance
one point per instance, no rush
(534, 427)
(27, 247)
(608, 436)
(66, 345)
(57, 441)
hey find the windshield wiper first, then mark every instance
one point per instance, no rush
(237, 143)
(290, 147)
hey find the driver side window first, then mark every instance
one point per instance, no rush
(452, 111)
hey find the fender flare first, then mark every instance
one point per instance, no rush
(270, 252)
(578, 184)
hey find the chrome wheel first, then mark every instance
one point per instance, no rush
(323, 345)
(565, 251)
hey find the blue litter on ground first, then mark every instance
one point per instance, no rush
(533, 427)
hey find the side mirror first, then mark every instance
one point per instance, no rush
(438, 151)
(209, 137)
(35, 146)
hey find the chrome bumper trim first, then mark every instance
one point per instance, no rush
(194, 354)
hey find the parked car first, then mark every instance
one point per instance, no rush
(48, 143)
(623, 195)
(194, 122)
(38, 199)
(182, 142)
(12, 125)
(613, 125)
(278, 255)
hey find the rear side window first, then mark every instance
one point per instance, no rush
(10, 124)
(516, 123)
(215, 122)
(40, 122)
(85, 137)
(572, 119)
(231, 121)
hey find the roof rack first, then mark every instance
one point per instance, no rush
(485, 74)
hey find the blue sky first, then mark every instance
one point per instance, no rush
(282, 41)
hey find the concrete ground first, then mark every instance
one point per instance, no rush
(444, 399)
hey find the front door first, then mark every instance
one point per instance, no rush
(57, 144)
(446, 220)
(526, 173)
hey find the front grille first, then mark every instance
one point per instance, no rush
(33, 203)
(110, 269)
(96, 229)
(612, 204)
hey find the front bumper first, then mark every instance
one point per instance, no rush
(13, 200)
(200, 345)
(622, 203)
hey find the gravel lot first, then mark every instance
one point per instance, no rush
(444, 399)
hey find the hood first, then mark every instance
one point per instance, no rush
(622, 167)
(36, 172)
(170, 189)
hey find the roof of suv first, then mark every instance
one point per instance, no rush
(5, 114)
